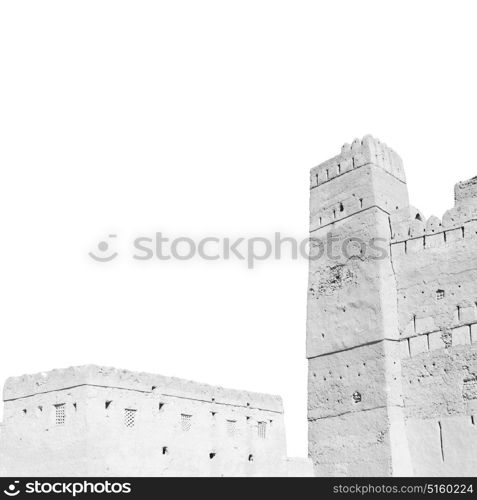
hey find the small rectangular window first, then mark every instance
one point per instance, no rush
(60, 414)
(440, 294)
(262, 430)
(231, 427)
(186, 421)
(129, 417)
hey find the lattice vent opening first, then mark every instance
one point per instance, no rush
(60, 414)
(262, 430)
(129, 417)
(231, 427)
(186, 422)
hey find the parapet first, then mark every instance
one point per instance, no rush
(409, 223)
(92, 375)
(360, 153)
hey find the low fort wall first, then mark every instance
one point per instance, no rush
(93, 421)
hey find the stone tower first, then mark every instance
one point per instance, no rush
(355, 397)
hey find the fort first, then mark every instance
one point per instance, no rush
(391, 347)
(96, 421)
(391, 341)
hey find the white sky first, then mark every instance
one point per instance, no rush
(203, 118)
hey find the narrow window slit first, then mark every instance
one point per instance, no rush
(440, 438)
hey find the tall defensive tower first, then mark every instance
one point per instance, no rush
(355, 402)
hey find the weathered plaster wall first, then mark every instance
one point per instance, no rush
(124, 423)
(391, 342)
(440, 411)
(436, 271)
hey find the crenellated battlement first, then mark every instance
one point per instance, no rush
(409, 225)
(366, 175)
(433, 233)
(360, 153)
